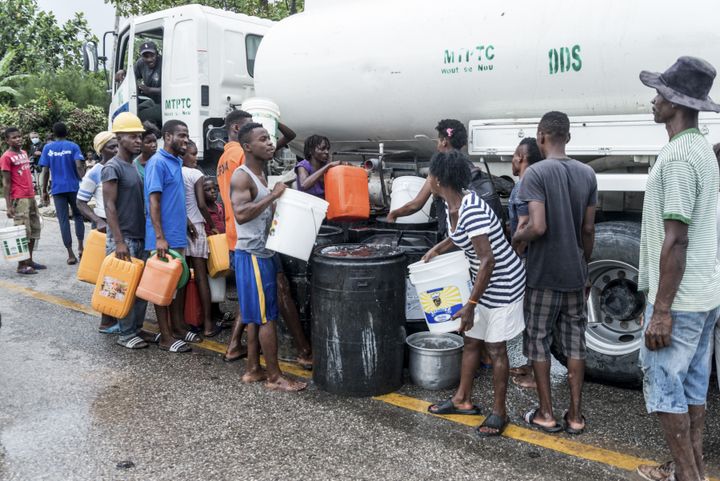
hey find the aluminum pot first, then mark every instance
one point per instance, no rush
(435, 359)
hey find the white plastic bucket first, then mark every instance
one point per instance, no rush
(14, 243)
(405, 189)
(296, 223)
(443, 287)
(266, 112)
(218, 287)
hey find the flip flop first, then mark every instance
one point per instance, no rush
(529, 418)
(570, 430)
(448, 407)
(493, 422)
(72, 261)
(114, 329)
(217, 329)
(38, 267)
(26, 270)
(178, 347)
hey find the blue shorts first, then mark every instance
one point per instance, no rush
(678, 375)
(256, 288)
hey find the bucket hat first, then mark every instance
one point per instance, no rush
(687, 82)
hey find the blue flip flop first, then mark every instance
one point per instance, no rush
(114, 329)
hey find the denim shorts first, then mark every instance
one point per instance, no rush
(678, 375)
(136, 247)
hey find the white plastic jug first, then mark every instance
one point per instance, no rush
(14, 243)
(296, 223)
(266, 112)
(443, 286)
(405, 189)
(218, 287)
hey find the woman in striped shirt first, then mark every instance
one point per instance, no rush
(494, 312)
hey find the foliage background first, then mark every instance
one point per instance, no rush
(42, 80)
(41, 70)
(274, 10)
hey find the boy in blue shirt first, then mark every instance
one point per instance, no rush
(65, 162)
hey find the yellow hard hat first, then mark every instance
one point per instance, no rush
(127, 123)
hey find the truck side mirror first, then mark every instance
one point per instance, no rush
(90, 57)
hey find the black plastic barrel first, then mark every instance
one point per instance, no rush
(297, 272)
(358, 305)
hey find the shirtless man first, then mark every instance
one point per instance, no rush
(255, 270)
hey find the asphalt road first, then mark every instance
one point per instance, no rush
(75, 406)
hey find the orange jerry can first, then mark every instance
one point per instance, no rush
(116, 286)
(160, 280)
(92, 258)
(219, 256)
(346, 190)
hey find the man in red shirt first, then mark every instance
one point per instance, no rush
(20, 195)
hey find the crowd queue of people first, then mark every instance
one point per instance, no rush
(529, 277)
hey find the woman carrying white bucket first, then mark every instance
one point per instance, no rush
(494, 311)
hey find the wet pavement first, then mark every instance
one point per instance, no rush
(75, 406)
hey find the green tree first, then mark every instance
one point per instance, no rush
(41, 44)
(7, 79)
(258, 8)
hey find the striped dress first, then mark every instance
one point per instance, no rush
(507, 282)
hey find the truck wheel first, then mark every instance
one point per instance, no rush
(615, 307)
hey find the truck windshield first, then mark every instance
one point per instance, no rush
(252, 42)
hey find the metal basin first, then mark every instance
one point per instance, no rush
(435, 359)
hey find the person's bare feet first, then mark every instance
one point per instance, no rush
(525, 382)
(305, 360)
(235, 355)
(521, 370)
(255, 375)
(284, 384)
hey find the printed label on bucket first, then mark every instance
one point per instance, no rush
(274, 224)
(440, 305)
(114, 288)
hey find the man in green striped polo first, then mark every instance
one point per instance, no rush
(678, 268)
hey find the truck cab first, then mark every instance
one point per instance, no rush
(207, 61)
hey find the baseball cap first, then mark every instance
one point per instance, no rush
(148, 47)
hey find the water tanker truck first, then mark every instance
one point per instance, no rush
(375, 76)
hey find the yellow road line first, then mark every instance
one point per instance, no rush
(530, 436)
(50, 298)
(220, 348)
(518, 433)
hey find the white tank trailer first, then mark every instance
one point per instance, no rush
(374, 72)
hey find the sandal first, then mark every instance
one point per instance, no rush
(448, 407)
(191, 337)
(38, 267)
(72, 261)
(178, 347)
(570, 430)
(662, 472)
(493, 422)
(26, 270)
(136, 342)
(529, 418)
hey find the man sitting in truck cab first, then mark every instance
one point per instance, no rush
(148, 74)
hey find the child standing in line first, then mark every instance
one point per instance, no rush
(197, 216)
(217, 214)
